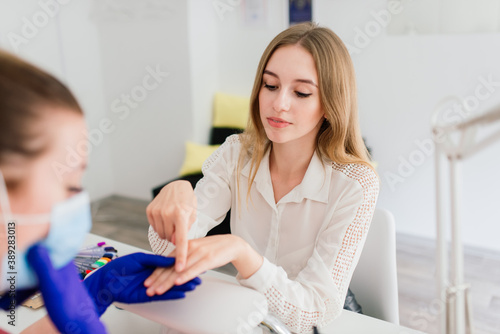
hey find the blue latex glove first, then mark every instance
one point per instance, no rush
(122, 280)
(67, 302)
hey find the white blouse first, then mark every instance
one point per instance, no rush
(311, 239)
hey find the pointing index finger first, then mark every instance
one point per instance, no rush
(181, 242)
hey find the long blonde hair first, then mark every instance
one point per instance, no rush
(339, 138)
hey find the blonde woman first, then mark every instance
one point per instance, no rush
(298, 182)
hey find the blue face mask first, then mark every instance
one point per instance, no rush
(70, 221)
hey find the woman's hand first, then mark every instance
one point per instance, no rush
(171, 214)
(205, 254)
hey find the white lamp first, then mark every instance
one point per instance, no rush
(453, 291)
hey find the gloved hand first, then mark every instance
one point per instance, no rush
(122, 280)
(67, 302)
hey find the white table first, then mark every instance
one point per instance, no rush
(137, 318)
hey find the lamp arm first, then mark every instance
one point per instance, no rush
(476, 147)
(489, 117)
(467, 131)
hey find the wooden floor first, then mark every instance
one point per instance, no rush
(124, 220)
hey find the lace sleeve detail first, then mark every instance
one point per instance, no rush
(231, 141)
(214, 190)
(358, 229)
(158, 245)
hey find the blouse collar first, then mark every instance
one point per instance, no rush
(314, 186)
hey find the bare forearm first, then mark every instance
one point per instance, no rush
(248, 260)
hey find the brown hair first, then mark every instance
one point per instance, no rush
(27, 94)
(339, 138)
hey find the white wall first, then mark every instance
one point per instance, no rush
(66, 45)
(241, 45)
(203, 55)
(147, 142)
(104, 50)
